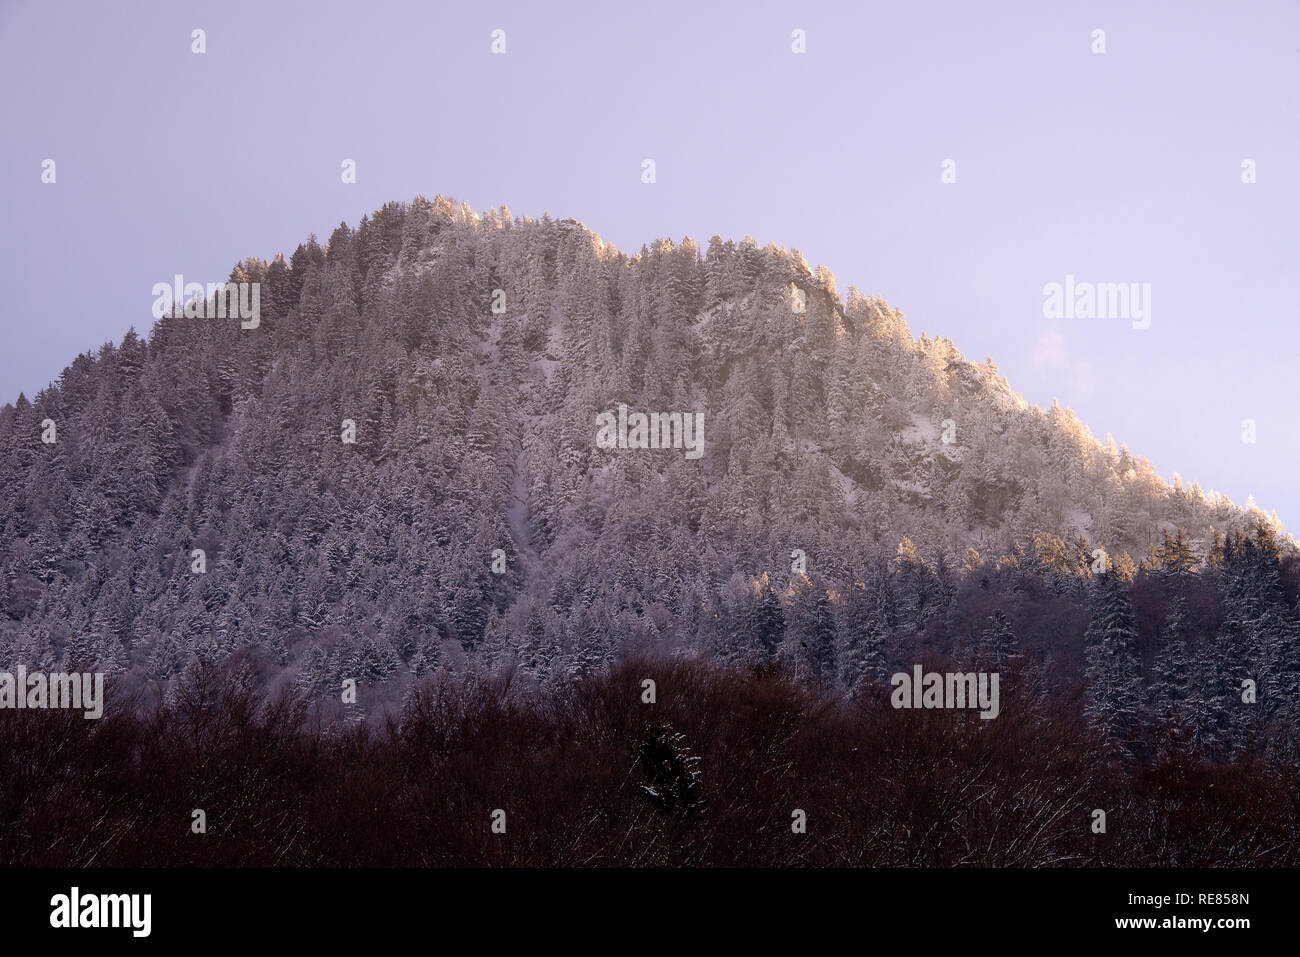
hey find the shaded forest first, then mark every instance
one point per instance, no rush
(712, 774)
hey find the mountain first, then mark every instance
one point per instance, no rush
(201, 496)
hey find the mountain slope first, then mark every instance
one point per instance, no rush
(828, 430)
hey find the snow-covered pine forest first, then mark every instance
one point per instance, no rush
(865, 497)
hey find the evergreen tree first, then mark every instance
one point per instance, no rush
(812, 625)
(998, 643)
(1172, 679)
(766, 626)
(1112, 665)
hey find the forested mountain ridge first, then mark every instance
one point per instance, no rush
(901, 471)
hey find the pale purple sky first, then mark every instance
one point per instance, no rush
(1115, 168)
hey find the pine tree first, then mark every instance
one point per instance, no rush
(1252, 641)
(1205, 693)
(766, 626)
(812, 625)
(1112, 665)
(1172, 678)
(313, 672)
(998, 643)
(867, 628)
(1174, 557)
(428, 658)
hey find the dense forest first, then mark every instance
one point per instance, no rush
(865, 498)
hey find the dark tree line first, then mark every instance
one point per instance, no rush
(713, 773)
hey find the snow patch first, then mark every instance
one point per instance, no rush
(921, 430)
